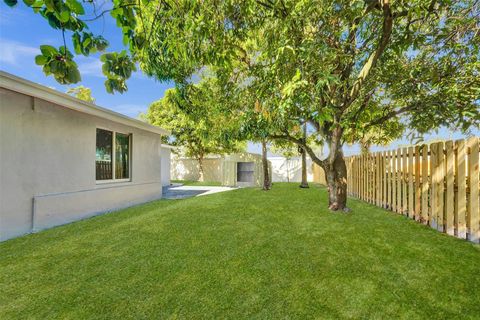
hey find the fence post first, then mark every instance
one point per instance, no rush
(473, 217)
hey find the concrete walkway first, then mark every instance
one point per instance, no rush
(177, 191)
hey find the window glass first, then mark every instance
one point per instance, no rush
(103, 161)
(122, 156)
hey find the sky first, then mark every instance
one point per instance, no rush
(22, 33)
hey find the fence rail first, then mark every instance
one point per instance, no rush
(435, 184)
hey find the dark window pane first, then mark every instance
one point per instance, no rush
(122, 156)
(245, 171)
(104, 159)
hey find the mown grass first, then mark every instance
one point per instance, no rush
(241, 254)
(198, 183)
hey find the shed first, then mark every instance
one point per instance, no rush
(243, 170)
(63, 159)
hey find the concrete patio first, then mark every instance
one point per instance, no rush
(178, 191)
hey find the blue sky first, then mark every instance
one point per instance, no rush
(22, 32)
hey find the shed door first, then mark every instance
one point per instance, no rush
(245, 172)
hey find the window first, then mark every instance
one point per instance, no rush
(104, 159)
(122, 156)
(112, 163)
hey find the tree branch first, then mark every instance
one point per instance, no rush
(372, 60)
(303, 145)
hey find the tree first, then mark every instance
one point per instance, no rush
(82, 93)
(197, 123)
(348, 68)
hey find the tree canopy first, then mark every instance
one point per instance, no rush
(199, 123)
(358, 70)
(82, 93)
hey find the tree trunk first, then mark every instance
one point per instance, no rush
(200, 169)
(288, 169)
(336, 173)
(336, 177)
(266, 174)
(304, 183)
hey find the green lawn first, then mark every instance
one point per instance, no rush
(198, 183)
(241, 254)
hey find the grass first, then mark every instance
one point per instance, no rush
(241, 254)
(198, 183)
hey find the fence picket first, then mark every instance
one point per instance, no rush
(449, 195)
(425, 186)
(404, 181)
(461, 181)
(418, 190)
(411, 191)
(394, 180)
(399, 181)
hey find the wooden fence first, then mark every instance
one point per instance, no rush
(435, 184)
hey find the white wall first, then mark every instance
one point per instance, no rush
(289, 170)
(47, 166)
(165, 154)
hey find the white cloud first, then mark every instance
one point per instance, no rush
(90, 66)
(15, 53)
(9, 16)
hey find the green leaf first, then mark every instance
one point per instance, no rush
(48, 51)
(50, 5)
(10, 3)
(73, 75)
(76, 43)
(75, 6)
(29, 2)
(64, 16)
(40, 60)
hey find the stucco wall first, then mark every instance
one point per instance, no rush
(188, 169)
(289, 170)
(47, 166)
(165, 165)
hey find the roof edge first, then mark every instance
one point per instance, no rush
(20, 85)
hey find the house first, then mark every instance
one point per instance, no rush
(234, 170)
(63, 159)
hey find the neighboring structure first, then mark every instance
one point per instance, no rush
(241, 169)
(63, 159)
(290, 169)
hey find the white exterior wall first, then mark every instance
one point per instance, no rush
(47, 166)
(289, 170)
(165, 165)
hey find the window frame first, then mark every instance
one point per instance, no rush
(114, 151)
